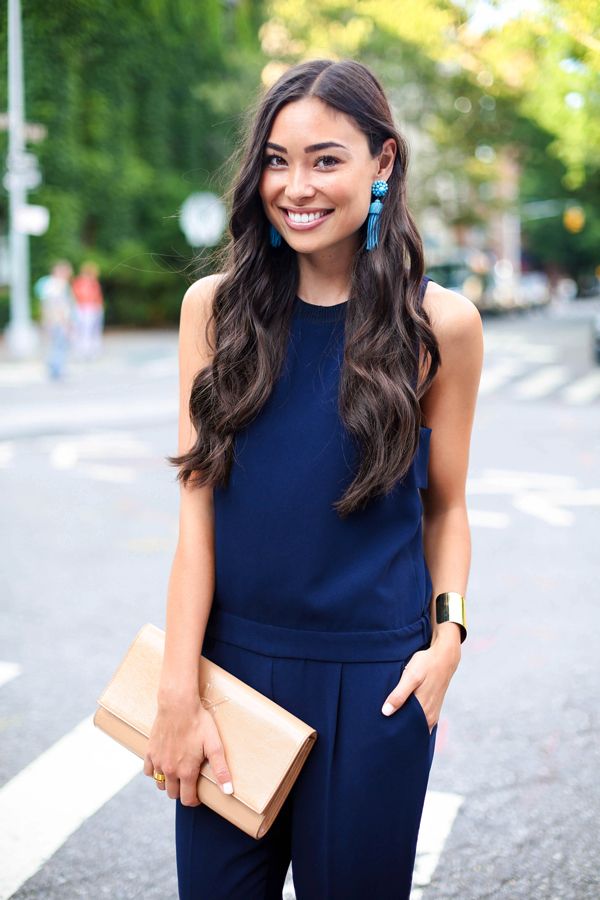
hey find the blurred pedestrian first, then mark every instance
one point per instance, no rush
(90, 311)
(57, 315)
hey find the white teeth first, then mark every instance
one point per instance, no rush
(305, 217)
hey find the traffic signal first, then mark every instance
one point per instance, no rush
(574, 219)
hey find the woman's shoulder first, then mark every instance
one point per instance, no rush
(452, 315)
(198, 299)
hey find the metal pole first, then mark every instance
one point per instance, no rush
(21, 335)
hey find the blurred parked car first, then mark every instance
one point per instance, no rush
(535, 288)
(588, 286)
(493, 289)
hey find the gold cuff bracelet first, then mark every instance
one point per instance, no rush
(450, 607)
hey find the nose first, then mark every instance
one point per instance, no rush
(298, 186)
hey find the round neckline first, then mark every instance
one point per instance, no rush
(337, 311)
(334, 313)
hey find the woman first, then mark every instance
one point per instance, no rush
(90, 311)
(301, 565)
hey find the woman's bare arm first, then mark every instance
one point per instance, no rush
(191, 582)
(449, 409)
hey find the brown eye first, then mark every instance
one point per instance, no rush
(269, 159)
(333, 159)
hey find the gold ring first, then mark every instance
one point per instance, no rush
(158, 776)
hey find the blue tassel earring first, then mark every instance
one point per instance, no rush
(275, 237)
(379, 189)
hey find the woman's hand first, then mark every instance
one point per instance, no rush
(430, 671)
(183, 734)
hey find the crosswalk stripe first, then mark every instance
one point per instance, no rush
(7, 453)
(481, 518)
(112, 474)
(8, 671)
(18, 373)
(439, 813)
(583, 390)
(541, 383)
(496, 376)
(49, 799)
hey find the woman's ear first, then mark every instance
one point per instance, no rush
(386, 158)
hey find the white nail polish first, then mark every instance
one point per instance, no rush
(387, 708)
(228, 787)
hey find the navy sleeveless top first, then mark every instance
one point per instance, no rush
(291, 577)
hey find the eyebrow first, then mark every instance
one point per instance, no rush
(310, 149)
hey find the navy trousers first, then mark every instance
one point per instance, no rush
(350, 823)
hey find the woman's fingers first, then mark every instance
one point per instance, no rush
(412, 678)
(150, 769)
(180, 756)
(397, 697)
(215, 753)
(188, 786)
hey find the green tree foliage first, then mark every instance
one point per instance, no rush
(142, 102)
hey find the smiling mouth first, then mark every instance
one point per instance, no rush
(302, 218)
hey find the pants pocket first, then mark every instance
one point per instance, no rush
(420, 713)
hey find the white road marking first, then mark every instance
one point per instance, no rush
(515, 345)
(22, 373)
(114, 474)
(540, 507)
(549, 507)
(542, 495)
(7, 453)
(542, 382)
(8, 671)
(509, 481)
(482, 518)
(584, 390)
(537, 353)
(66, 453)
(49, 799)
(496, 376)
(439, 813)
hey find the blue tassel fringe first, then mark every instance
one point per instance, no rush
(373, 224)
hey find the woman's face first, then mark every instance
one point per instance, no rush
(332, 181)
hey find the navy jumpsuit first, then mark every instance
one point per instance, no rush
(321, 615)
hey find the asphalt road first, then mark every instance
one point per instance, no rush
(88, 526)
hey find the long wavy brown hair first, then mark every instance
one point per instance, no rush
(385, 324)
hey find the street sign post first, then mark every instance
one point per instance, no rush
(22, 175)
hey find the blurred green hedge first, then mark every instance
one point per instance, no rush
(142, 104)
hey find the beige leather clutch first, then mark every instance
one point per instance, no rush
(265, 745)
